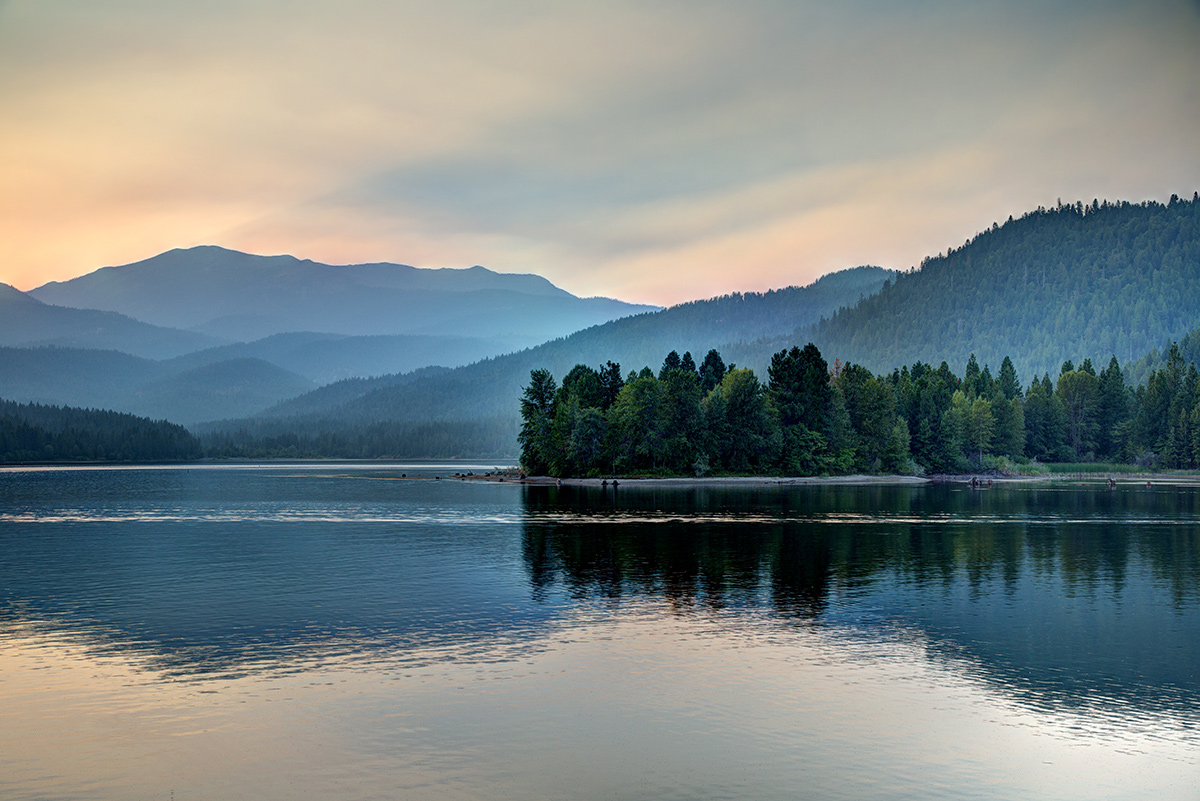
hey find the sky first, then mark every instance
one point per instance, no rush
(655, 151)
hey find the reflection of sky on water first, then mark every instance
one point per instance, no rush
(214, 571)
(441, 639)
(1068, 595)
(646, 704)
(1079, 599)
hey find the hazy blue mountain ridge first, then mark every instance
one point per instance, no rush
(243, 297)
(319, 402)
(28, 322)
(326, 358)
(106, 379)
(487, 389)
(370, 319)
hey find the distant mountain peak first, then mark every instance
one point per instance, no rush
(242, 296)
(10, 295)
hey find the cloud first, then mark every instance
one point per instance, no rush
(615, 148)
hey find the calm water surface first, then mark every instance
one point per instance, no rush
(333, 631)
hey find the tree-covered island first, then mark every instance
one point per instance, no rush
(813, 418)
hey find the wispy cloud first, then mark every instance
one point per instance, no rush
(656, 151)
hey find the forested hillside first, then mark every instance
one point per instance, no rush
(326, 358)
(1188, 346)
(483, 391)
(35, 433)
(1093, 280)
(169, 390)
(28, 322)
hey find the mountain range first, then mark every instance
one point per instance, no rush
(487, 388)
(208, 333)
(1073, 282)
(240, 297)
(231, 343)
(28, 322)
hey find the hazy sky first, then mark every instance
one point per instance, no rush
(653, 151)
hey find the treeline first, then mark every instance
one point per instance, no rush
(1188, 347)
(35, 433)
(813, 418)
(397, 440)
(1087, 279)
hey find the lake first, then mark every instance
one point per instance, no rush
(335, 631)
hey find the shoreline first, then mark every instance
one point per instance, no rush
(985, 482)
(725, 481)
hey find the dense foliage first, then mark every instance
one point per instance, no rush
(1189, 349)
(35, 433)
(813, 418)
(384, 440)
(1093, 280)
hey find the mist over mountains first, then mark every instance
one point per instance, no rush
(133, 338)
(239, 297)
(487, 388)
(249, 347)
(27, 322)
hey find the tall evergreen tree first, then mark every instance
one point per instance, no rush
(1009, 384)
(688, 363)
(672, 362)
(610, 383)
(970, 381)
(712, 370)
(1113, 417)
(743, 430)
(1008, 436)
(537, 422)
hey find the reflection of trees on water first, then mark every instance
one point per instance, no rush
(1038, 587)
(712, 565)
(714, 546)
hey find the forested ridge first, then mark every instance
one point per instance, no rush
(1188, 348)
(478, 439)
(812, 418)
(1079, 281)
(483, 391)
(1087, 279)
(35, 433)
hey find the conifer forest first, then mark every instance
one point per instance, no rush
(814, 418)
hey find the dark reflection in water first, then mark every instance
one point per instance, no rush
(1063, 596)
(1058, 595)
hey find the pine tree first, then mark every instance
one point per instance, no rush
(672, 362)
(537, 416)
(1114, 411)
(688, 363)
(712, 370)
(1079, 393)
(1008, 382)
